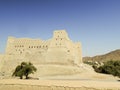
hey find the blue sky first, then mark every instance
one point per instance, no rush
(95, 23)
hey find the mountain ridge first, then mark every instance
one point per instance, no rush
(113, 55)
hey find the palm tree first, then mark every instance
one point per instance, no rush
(24, 69)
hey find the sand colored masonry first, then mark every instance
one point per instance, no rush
(58, 52)
(58, 49)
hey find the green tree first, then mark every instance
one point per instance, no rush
(29, 69)
(24, 69)
(109, 67)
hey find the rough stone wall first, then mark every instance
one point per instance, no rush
(45, 55)
(24, 45)
(59, 49)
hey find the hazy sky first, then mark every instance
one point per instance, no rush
(95, 23)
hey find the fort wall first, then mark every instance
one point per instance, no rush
(47, 55)
(58, 49)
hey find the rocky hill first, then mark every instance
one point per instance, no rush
(114, 55)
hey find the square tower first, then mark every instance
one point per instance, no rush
(61, 34)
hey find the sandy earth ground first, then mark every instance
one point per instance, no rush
(83, 81)
(17, 84)
(86, 80)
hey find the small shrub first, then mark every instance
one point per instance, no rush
(24, 69)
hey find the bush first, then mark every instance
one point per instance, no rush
(109, 67)
(24, 69)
